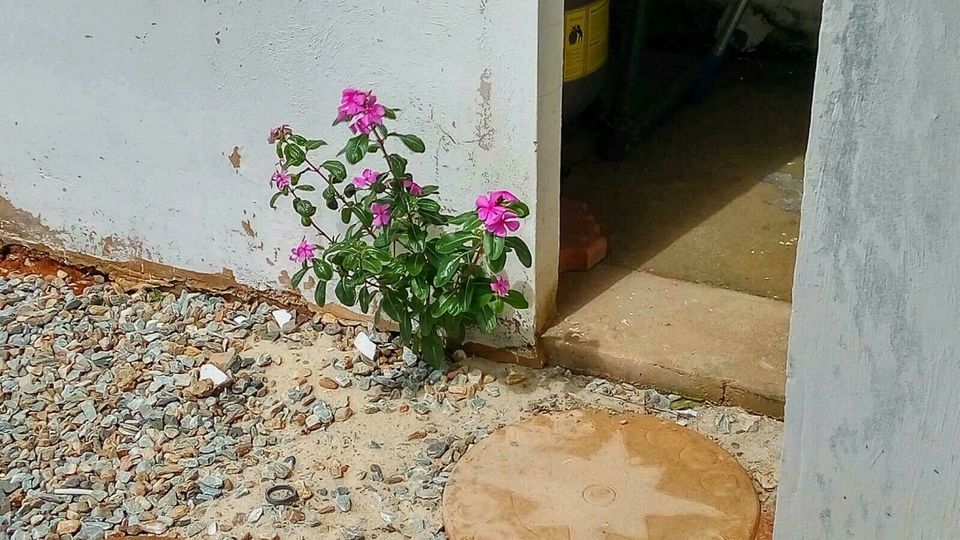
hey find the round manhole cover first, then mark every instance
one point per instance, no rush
(584, 475)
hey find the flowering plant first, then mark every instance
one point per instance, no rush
(431, 272)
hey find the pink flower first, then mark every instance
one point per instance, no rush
(503, 223)
(366, 179)
(370, 117)
(500, 285)
(279, 133)
(381, 214)
(303, 252)
(490, 206)
(413, 187)
(352, 102)
(503, 196)
(487, 207)
(281, 179)
(361, 108)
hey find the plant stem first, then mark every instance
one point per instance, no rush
(315, 226)
(340, 196)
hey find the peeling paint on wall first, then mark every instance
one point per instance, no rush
(235, 158)
(485, 129)
(16, 224)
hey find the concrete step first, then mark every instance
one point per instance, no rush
(720, 345)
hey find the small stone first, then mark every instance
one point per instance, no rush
(515, 377)
(255, 515)
(154, 527)
(343, 502)
(365, 346)
(68, 526)
(328, 383)
(436, 449)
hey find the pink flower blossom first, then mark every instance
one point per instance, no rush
(503, 223)
(366, 179)
(361, 108)
(279, 133)
(500, 285)
(503, 196)
(352, 102)
(413, 187)
(303, 252)
(490, 206)
(381, 214)
(487, 207)
(280, 179)
(370, 117)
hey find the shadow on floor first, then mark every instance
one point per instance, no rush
(712, 195)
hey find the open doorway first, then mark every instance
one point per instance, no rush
(681, 198)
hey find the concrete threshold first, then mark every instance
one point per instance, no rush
(715, 344)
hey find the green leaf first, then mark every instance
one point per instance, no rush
(521, 249)
(304, 207)
(446, 270)
(515, 298)
(346, 294)
(313, 145)
(450, 243)
(305, 187)
(298, 277)
(322, 269)
(492, 246)
(389, 113)
(521, 209)
(432, 349)
(444, 304)
(357, 148)
(428, 205)
(381, 241)
(332, 204)
(430, 190)
(320, 293)
(365, 297)
(295, 155)
(273, 200)
(406, 328)
(398, 165)
(335, 168)
(391, 306)
(280, 149)
(486, 319)
(419, 288)
(414, 143)
(299, 139)
(418, 239)
(371, 263)
(305, 221)
(414, 266)
(497, 264)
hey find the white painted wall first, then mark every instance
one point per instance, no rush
(117, 117)
(872, 443)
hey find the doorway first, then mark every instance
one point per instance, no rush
(699, 211)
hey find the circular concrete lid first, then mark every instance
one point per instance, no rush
(584, 475)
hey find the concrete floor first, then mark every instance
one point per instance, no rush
(709, 201)
(713, 195)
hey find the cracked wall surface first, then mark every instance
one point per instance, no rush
(136, 131)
